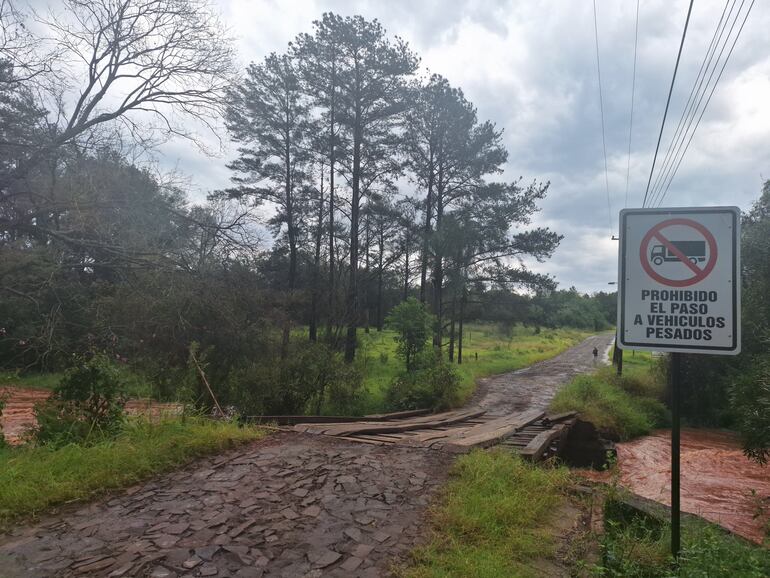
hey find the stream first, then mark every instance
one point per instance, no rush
(718, 482)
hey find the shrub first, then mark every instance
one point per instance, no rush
(311, 378)
(750, 399)
(411, 322)
(435, 386)
(605, 405)
(87, 404)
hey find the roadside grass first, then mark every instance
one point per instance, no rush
(33, 479)
(31, 380)
(492, 518)
(497, 351)
(136, 385)
(625, 406)
(638, 545)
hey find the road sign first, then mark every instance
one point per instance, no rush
(679, 280)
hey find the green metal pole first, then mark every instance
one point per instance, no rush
(675, 494)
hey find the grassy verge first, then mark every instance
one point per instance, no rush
(35, 478)
(637, 545)
(492, 518)
(627, 406)
(497, 351)
(33, 380)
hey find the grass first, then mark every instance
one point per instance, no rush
(627, 406)
(32, 380)
(638, 545)
(492, 518)
(498, 352)
(135, 385)
(33, 479)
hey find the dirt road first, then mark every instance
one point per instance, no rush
(533, 387)
(291, 505)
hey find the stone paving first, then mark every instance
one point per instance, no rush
(291, 505)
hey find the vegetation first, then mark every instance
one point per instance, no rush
(624, 406)
(492, 519)
(636, 545)
(411, 322)
(490, 350)
(733, 391)
(35, 478)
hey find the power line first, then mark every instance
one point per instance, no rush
(601, 107)
(690, 107)
(668, 100)
(633, 90)
(735, 41)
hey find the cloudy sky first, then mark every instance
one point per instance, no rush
(530, 67)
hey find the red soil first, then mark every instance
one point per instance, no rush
(18, 416)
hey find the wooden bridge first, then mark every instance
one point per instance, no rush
(533, 434)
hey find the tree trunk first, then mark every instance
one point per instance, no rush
(352, 297)
(331, 315)
(317, 264)
(379, 276)
(292, 234)
(426, 232)
(460, 335)
(452, 331)
(406, 268)
(367, 277)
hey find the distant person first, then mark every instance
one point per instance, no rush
(596, 355)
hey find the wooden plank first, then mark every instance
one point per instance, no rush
(538, 446)
(361, 440)
(492, 432)
(559, 417)
(395, 415)
(436, 420)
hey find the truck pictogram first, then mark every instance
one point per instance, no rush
(695, 251)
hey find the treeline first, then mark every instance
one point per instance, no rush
(374, 183)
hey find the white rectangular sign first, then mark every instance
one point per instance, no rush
(679, 280)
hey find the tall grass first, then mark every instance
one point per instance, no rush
(627, 406)
(492, 519)
(35, 478)
(639, 546)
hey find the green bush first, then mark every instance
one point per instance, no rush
(88, 404)
(750, 399)
(411, 322)
(435, 385)
(609, 407)
(312, 379)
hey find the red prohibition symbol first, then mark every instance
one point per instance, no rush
(672, 252)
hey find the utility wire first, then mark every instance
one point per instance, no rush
(633, 90)
(735, 41)
(690, 108)
(668, 100)
(601, 107)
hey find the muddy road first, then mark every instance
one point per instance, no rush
(290, 505)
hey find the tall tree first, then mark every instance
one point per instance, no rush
(268, 116)
(372, 70)
(318, 57)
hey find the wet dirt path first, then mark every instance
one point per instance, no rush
(290, 505)
(534, 387)
(718, 482)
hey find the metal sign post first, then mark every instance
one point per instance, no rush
(679, 293)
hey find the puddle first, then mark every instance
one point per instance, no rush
(18, 415)
(716, 478)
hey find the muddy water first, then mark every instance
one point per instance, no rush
(18, 415)
(717, 479)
